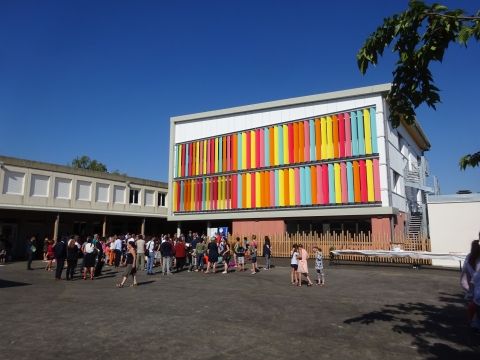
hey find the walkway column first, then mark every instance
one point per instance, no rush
(209, 225)
(104, 226)
(142, 230)
(179, 229)
(55, 227)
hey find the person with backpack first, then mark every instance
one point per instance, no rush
(240, 253)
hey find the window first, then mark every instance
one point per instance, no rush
(13, 182)
(397, 183)
(84, 190)
(149, 198)
(134, 196)
(102, 193)
(162, 199)
(119, 194)
(62, 188)
(39, 185)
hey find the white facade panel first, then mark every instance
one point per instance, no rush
(149, 198)
(119, 194)
(63, 188)
(39, 185)
(102, 194)
(84, 189)
(198, 129)
(13, 182)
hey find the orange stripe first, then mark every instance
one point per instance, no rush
(356, 181)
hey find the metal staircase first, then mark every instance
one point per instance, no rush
(415, 225)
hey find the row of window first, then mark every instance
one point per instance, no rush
(14, 184)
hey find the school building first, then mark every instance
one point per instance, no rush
(327, 163)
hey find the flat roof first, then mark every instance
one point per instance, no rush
(366, 90)
(453, 198)
(81, 172)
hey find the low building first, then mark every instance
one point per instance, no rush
(454, 222)
(327, 163)
(47, 200)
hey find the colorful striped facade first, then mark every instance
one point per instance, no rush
(321, 161)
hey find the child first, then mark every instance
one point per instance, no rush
(294, 264)
(319, 266)
(240, 252)
(252, 250)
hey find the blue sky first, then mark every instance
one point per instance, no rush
(102, 78)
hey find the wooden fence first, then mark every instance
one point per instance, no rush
(282, 244)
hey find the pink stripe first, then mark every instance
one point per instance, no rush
(297, 186)
(306, 130)
(376, 180)
(341, 134)
(348, 136)
(343, 175)
(319, 185)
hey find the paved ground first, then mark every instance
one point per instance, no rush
(364, 312)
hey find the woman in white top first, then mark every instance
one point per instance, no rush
(294, 265)
(89, 258)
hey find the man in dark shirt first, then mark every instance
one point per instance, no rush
(166, 249)
(60, 250)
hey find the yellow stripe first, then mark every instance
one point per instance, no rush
(285, 144)
(291, 185)
(338, 184)
(370, 187)
(244, 151)
(281, 188)
(248, 191)
(216, 155)
(323, 131)
(253, 149)
(275, 145)
(329, 137)
(174, 197)
(257, 190)
(368, 131)
(179, 160)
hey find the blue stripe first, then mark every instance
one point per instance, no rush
(220, 153)
(308, 186)
(353, 123)
(331, 184)
(373, 126)
(351, 195)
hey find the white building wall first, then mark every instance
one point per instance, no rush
(454, 223)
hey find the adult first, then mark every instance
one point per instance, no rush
(200, 253)
(118, 251)
(166, 249)
(303, 266)
(140, 245)
(50, 255)
(72, 257)
(130, 269)
(225, 254)
(212, 252)
(180, 255)
(3, 251)
(31, 249)
(89, 256)
(240, 253)
(100, 255)
(267, 252)
(150, 248)
(60, 250)
(470, 281)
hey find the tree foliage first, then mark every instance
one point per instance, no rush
(84, 162)
(419, 35)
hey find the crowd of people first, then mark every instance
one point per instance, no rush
(169, 254)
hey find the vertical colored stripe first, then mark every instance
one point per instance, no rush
(302, 186)
(187, 159)
(220, 154)
(224, 154)
(343, 175)
(361, 133)
(234, 153)
(313, 153)
(291, 186)
(295, 142)
(326, 184)
(318, 139)
(253, 179)
(370, 181)
(306, 139)
(338, 183)
(376, 180)
(320, 197)
(341, 135)
(351, 189)
(205, 157)
(308, 186)
(253, 160)
(368, 133)
(291, 144)
(261, 147)
(273, 149)
(275, 145)
(331, 183)
(286, 188)
(323, 130)
(298, 199)
(329, 138)
(353, 122)
(271, 176)
(363, 181)
(281, 188)
(248, 192)
(373, 129)
(244, 150)
(286, 147)
(277, 188)
(301, 142)
(348, 135)
(267, 146)
(313, 181)
(216, 156)
(248, 153)
(356, 182)
(240, 191)
(280, 145)
(335, 136)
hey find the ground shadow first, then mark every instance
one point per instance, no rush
(145, 282)
(7, 284)
(438, 331)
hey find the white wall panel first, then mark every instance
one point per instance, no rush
(63, 188)
(84, 190)
(149, 198)
(13, 182)
(102, 194)
(39, 185)
(119, 194)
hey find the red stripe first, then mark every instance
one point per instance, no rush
(341, 134)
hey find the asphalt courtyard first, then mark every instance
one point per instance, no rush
(363, 312)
